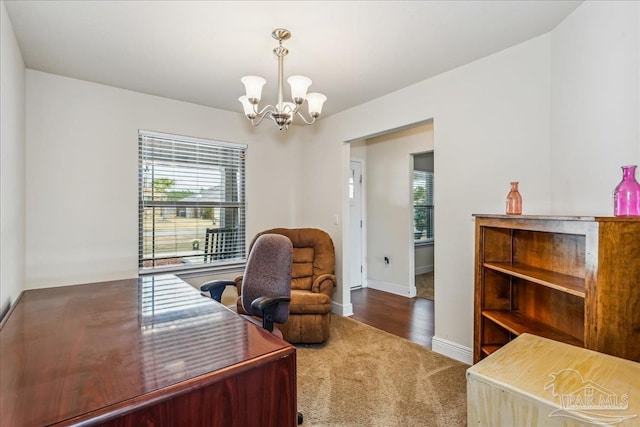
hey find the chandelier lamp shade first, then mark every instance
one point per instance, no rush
(283, 112)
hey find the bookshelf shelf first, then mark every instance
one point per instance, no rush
(570, 279)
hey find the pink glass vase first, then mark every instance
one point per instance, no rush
(514, 200)
(626, 197)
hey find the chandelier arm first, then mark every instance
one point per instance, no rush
(313, 119)
(287, 109)
(267, 110)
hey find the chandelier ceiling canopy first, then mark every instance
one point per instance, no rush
(283, 112)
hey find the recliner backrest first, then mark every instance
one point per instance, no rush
(313, 254)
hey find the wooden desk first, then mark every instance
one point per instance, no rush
(149, 351)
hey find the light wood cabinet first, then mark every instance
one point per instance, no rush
(536, 382)
(571, 279)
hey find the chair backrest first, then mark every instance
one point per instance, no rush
(220, 243)
(313, 254)
(268, 273)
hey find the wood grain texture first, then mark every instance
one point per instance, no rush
(519, 324)
(558, 310)
(557, 252)
(499, 294)
(410, 318)
(617, 297)
(257, 397)
(524, 382)
(493, 334)
(87, 354)
(576, 275)
(562, 282)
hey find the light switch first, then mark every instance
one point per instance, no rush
(336, 219)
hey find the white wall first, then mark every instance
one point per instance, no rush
(424, 258)
(595, 79)
(490, 127)
(389, 207)
(82, 179)
(12, 165)
(558, 113)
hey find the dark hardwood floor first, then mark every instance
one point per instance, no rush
(410, 318)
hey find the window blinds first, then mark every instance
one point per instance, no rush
(423, 205)
(191, 202)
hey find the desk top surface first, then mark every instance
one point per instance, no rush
(72, 353)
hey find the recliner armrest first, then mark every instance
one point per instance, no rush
(267, 307)
(216, 288)
(238, 283)
(324, 283)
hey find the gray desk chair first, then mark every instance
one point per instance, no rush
(266, 289)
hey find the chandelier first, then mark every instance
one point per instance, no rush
(283, 112)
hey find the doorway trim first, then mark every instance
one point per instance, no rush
(346, 309)
(360, 224)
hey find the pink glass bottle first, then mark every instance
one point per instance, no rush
(626, 197)
(514, 200)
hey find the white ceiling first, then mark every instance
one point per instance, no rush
(197, 51)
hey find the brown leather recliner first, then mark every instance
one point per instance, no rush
(312, 285)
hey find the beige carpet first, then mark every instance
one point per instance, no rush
(424, 286)
(367, 377)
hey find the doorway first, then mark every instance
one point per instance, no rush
(385, 239)
(423, 224)
(388, 294)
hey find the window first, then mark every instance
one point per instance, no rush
(191, 202)
(423, 206)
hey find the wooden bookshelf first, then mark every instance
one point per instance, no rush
(517, 324)
(570, 279)
(489, 349)
(561, 282)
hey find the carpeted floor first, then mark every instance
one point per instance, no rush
(367, 377)
(424, 286)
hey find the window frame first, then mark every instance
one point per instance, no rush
(428, 206)
(238, 161)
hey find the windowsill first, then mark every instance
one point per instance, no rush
(194, 271)
(237, 268)
(418, 243)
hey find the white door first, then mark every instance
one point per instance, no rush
(355, 217)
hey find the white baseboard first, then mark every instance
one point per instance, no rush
(424, 269)
(452, 350)
(392, 288)
(342, 309)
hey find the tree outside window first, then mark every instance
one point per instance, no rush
(192, 202)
